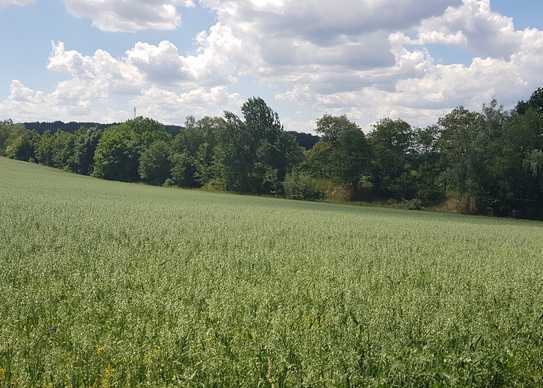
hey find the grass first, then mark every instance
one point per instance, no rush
(113, 284)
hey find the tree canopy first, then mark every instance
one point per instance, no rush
(490, 161)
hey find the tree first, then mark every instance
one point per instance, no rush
(342, 154)
(392, 145)
(330, 127)
(86, 141)
(120, 147)
(56, 150)
(146, 131)
(523, 142)
(458, 132)
(9, 132)
(426, 165)
(535, 102)
(117, 155)
(196, 148)
(256, 153)
(182, 169)
(155, 165)
(4, 135)
(21, 144)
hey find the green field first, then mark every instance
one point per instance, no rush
(112, 284)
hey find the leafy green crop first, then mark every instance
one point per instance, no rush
(114, 284)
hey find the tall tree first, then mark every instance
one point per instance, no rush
(392, 144)
(256, 153)
(117, 155)
(155, 165)
(342, 154)
(118, 152)
(86, 142)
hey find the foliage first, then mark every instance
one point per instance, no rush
(392, 144)
(489, 160)
(196, 150)
(21, 144)
(155, 164)
(256, 153)
(343, 152)
(57, 150)
(117, 155)
(534, 103)
(302, 187)
(86, 142)
(182, 169)
(120, 148)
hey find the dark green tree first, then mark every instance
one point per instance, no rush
(86, 142)
(198, 143)
(21, 144)
(182, 169)
(342, 154)
(256, 153)
(118, 152)
(117, 155)
(154, 164)
(392, 172)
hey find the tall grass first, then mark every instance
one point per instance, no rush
(112, 284)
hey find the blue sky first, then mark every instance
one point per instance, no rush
(27, 32)
(74, 60)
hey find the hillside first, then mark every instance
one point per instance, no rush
(107, 283)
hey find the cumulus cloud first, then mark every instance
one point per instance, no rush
(474, 24)
(174, 107)
(284, 33)
(129, 15)
(101, 87)
(325, 21)
(314, 56)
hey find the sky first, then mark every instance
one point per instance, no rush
(95, 60)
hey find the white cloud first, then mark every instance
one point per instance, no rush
(104, 88)
(160, 63)
(314, 56)
(15, 3)
(324, 21)
(475, 25)
(174, 107)
(129, 15)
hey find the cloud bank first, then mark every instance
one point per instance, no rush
(314, 57)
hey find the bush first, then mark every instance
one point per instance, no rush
(215, 185)
(302, 187)
(412, 204)
(169, 183)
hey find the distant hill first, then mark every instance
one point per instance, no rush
(41, 127)
(305, 140)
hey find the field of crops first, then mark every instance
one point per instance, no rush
(112, 284)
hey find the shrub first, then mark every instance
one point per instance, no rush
(412, 204)
(302, 187)
(215, 185)
(169, 183)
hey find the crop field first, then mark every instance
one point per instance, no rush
(112, 284)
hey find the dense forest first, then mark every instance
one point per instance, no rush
(488, 162)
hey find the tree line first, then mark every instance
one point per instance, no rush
(486, 162)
